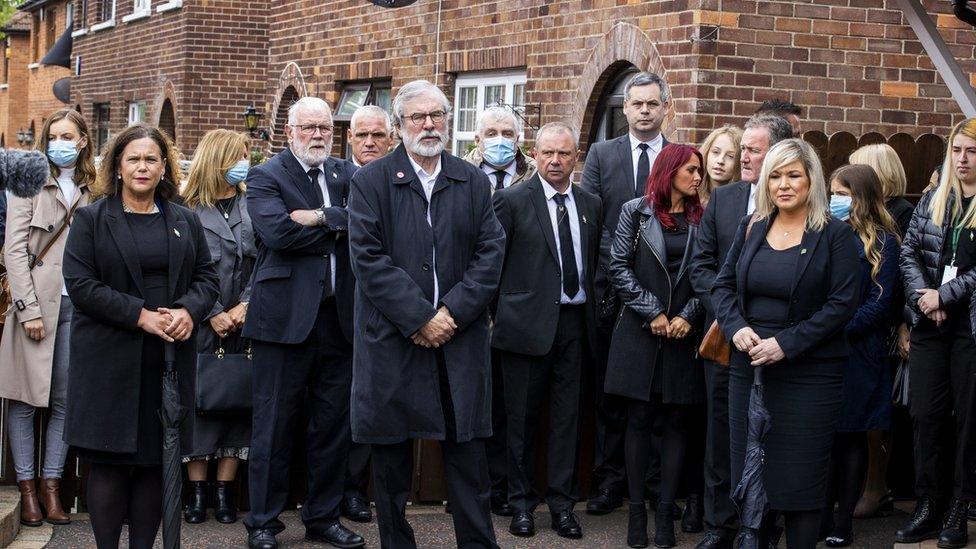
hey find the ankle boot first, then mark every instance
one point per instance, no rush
(51, 495)
(225, 511)
(196, 510)
(30, 508)
(692, 521)
(637, 525)
(926, 523)
(664, 525)
(954, 531)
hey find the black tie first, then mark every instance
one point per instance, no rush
(499, 180)
(643, 170)
(566, 250)
(313, 174)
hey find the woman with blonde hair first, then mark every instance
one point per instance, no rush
(891, 174)
(215, 191)
(721, 153)
(937, 261)
(34, 351)
(787, 289)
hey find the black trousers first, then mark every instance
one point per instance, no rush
(942, 373)
(318, 371)
(466, 468)
(496, 445)
(357, 471)
(528, 380)
(720, 512)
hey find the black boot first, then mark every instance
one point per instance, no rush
(926, 523)
(664, 525)
(637, 525)
(196, 510)
(954, 531)
(691, 521)
(225, 511)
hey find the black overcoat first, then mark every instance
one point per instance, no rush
(395, 387)
(104, 280)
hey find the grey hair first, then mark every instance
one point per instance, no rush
(412, 90)
(778, 127)
(646, 79)
(371, 111)
(498, 112)
(307, 103)
(558, 127)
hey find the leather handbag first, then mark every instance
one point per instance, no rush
(223, 383)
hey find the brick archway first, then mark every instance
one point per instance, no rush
(624, 43)
(290, 82)
(165, 110)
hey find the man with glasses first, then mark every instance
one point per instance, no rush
(426, 250)
(300, 326)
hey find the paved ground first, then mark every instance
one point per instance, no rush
(433, 529)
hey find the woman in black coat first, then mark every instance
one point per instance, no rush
(653, 360)
(785, 294)
(138, 271)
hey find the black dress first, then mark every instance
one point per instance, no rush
(149, 232)
(675, 242)
(803, 396)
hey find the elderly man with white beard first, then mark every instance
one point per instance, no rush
(426, 249)
(300, 326)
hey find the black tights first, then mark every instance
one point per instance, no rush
(848, 468)
(117, 492)
(642, 418)
(802, 528)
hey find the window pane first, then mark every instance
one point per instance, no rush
(383, 98)
(463, 147)
(351, 100)
(518, 95)
(467, 109)
(494, 95)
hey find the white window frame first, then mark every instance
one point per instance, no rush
(137, 112)
(481, 80)
(140, 10)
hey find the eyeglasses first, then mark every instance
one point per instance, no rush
(419, 118)
(309, 129)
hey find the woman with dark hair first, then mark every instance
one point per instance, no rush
(653, 360)
(139, 274)
(856, 198)
(34, 351)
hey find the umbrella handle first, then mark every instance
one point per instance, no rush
(757, 375)
(169, 352)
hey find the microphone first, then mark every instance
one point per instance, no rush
(23, 173)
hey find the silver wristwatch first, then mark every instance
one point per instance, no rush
(320, 216)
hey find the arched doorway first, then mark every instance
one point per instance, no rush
(607, 103)
(279, 140)
(167, 119)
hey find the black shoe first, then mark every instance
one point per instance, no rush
(714, 540)
(196, 511)
(954, 530)
(447, 507)
(566, 525)
(337, 535)
(261, 539)
(926, 523)
(224, 510)
(523, 524)
(500, 506)
(664, 526)
(604, 503)
(691, 520)
(637, 525)
(972, 510)
(356, 509)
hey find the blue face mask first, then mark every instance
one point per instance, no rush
(840, 206)
(499, 151)
(62, 153)
(237, 173)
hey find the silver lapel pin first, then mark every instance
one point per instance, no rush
(176, 232)
(803, 251)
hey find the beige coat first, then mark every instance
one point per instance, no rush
(524, 165)
(25, 364)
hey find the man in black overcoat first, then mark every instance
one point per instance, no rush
(426, 250)
(300, 324)
(545, 324)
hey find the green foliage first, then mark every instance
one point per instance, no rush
(7, 9)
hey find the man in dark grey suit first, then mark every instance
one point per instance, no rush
(726, 207)
(617, 171)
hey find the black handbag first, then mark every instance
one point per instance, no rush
(223, 383)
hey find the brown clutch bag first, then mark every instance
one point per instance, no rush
(714, 346)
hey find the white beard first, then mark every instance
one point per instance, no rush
(414, 145)
(308, 156)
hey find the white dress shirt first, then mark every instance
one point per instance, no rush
(752, 198)
(328, 204)
(427, 181)
(653, 148)
(574, 230)
(509, 173)
(66, 182)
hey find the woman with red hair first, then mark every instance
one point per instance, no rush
(653, 360)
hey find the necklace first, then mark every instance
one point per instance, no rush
(127, 209)
(233, 200)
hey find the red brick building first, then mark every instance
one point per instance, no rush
(14, 80)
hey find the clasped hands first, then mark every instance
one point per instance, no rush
(928, 303)
(169, 324)
(437, 331)
(762, 351)
(676, 328)
(229, 321)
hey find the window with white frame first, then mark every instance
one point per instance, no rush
(137, 112)
(140, 6)
(107, 10)
(475, 92)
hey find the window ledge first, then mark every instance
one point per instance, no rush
(79, 32)
(3, 87)
(103, 25)
(33, 66)
(137, 16)
(168, 6)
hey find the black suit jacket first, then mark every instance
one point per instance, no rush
(527, 309)
(825, 289)
(292, 261)
(609, 174)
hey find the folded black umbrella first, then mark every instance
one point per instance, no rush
(750, 495)
(171, 415)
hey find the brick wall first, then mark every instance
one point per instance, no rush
(41, 78)
(13, 96)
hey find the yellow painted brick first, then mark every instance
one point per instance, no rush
(949, 21)
(899, 89)
(724, 19)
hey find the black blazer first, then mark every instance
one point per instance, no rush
(527, 309)
(825, 289)
(292, 261)
(104, 280)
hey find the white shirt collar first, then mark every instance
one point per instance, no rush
(421, 173)
(551, 191)
(489, 169)
(306, 167)
(654, 144)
